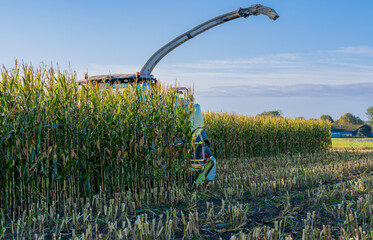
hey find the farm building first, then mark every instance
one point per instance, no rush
(341, 131)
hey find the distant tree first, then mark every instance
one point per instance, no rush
(369, 113)
(327, 117)
(274, 113)
(349, 119)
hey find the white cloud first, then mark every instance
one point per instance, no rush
(353, 91)
(270, 61)
(271, 70)
(358, 50)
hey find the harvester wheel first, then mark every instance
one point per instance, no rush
(207, 151)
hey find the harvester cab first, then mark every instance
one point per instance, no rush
(203, 161)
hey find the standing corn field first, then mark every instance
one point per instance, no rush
(242, 136)
(60, 141)
(68, 151)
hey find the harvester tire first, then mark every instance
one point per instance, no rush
(207, 151)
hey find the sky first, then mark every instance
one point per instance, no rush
(317, 58)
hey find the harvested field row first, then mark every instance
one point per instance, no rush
(250, 199)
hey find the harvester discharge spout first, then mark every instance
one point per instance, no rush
(254, 10)
(257, 10)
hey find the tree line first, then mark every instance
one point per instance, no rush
(347, 120)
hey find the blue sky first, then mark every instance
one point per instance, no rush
(316, 58)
